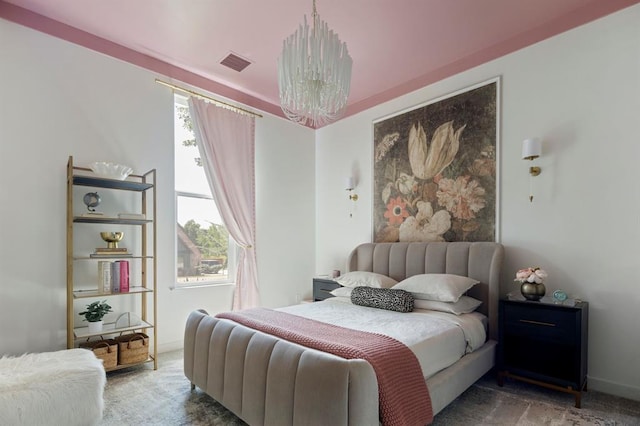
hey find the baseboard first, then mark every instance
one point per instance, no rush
(613, 388)
(171, 346)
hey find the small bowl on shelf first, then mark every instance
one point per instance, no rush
(112, 238)
(110, 170)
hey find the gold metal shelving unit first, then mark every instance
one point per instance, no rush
(145, 185)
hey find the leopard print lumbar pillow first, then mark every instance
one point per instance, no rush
(383, 298)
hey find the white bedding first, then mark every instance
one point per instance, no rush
(438, 339)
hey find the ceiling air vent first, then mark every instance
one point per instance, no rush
(235, 62)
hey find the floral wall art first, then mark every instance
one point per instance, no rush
(435, 169)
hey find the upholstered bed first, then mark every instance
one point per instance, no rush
(266, 380)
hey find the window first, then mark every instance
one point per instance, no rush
(205, 253)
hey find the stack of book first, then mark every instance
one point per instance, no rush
(110, 252)
(131, 215)
(113, 277)
(92, 214)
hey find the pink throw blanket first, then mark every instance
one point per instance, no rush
(403, 395)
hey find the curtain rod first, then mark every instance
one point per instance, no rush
(215, 101)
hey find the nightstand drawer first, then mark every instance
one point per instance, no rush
(540, 323)
(322, 288)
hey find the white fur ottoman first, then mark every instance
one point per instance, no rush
(52, 388)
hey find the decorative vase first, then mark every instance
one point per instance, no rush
(95, 326)
(532, 291)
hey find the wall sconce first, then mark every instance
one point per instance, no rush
(531, 149)
(350, 187)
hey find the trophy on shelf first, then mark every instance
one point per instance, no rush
(112, 249)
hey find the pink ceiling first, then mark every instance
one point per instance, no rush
(396, 46)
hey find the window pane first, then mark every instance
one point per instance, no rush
(202, 243)
(189, 174)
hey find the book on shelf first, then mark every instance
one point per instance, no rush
(109, 255)
(131, 216)
(119, 250)
(102, 217)
(111, 250)
(104, 277)
(124, 275)
(115, 277)
(93, 214)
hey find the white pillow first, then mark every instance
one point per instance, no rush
(464, 305)
(365, 279)
(342, 292)
(438, 287)
(340, 299)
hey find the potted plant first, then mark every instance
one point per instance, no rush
(94, 314)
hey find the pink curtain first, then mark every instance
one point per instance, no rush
(226, 141)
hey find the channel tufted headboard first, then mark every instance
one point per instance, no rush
(479, 260)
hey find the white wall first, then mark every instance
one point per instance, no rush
(286, 211)
(580, 92)
(59, 99)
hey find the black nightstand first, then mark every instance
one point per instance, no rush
(544, 344)
(322, 288)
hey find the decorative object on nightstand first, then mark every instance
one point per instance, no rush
(531, 280)
(559, 296)
(544, 344)
(322, 288)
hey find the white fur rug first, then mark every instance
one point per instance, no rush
(52, 388)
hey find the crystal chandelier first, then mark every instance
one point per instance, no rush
(314, 74)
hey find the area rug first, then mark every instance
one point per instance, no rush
(142, 396)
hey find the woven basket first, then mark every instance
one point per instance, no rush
(132, 348)
(106, 350)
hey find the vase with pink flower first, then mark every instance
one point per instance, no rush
(531, 279)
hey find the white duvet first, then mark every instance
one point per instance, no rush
(438, 339)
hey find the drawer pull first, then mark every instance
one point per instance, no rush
(548, 324)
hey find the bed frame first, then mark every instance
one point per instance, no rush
(268, 381)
